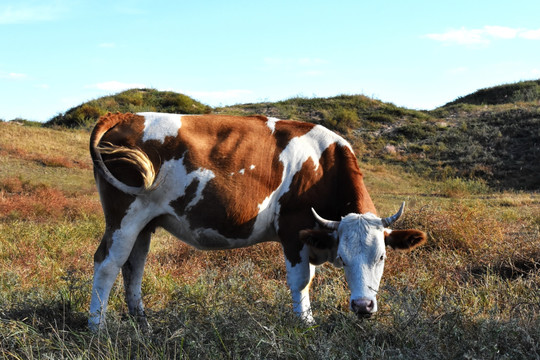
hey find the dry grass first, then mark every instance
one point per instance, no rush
(471, 292)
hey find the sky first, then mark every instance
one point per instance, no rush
(57, 54)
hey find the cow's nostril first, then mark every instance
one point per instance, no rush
(363, 306)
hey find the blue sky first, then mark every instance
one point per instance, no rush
(57, 54)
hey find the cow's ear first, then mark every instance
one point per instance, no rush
(319, 239)
(404, 239)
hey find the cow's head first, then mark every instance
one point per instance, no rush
(359, 242)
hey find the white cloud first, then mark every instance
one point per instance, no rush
(30, 12)
(530, 34)
(460, 36)
(17, 76)
(501, 32)
(483, 36)
(13, 76)
(115, 86)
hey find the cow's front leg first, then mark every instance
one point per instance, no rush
(299, 276)
(132, 272)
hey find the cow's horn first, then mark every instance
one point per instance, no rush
(326, 223)
(392, 219)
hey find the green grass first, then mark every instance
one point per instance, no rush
(470, 292)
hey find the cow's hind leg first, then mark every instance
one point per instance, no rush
(112, 253)
(132, 272)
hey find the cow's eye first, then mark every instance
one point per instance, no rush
(381, 259)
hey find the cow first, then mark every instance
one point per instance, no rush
(224, 182)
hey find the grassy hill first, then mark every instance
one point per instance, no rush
(491, 135)
(471, 292)
(134, 100)
(524, 91)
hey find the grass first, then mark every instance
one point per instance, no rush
(471, 292)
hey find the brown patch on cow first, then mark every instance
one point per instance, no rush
(320, 239)
(404, 239)
(285, 130)
(243, 154)
(103, 249)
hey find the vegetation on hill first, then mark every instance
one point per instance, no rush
(134, 100)
(342, 113)
(524, 91)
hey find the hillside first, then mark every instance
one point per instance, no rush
(492, 134)
(524, 91)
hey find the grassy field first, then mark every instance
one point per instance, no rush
(471, 293)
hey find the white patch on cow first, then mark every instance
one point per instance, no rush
(271, 123)
(252, 167)
(204, 176)
(173, 179)
(264, 205)
(242, 171)
(157, 126)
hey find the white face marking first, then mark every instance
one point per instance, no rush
(252, 167)
(271, 123)
(242, 171)
(362, 249)
(158, 126)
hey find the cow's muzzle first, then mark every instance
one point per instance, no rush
(363, 307)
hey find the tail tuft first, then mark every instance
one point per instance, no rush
(135, 157)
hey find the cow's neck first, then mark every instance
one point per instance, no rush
(353, 195)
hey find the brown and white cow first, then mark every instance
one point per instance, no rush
(223, 182)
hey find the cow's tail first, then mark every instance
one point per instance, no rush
(133, 156)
